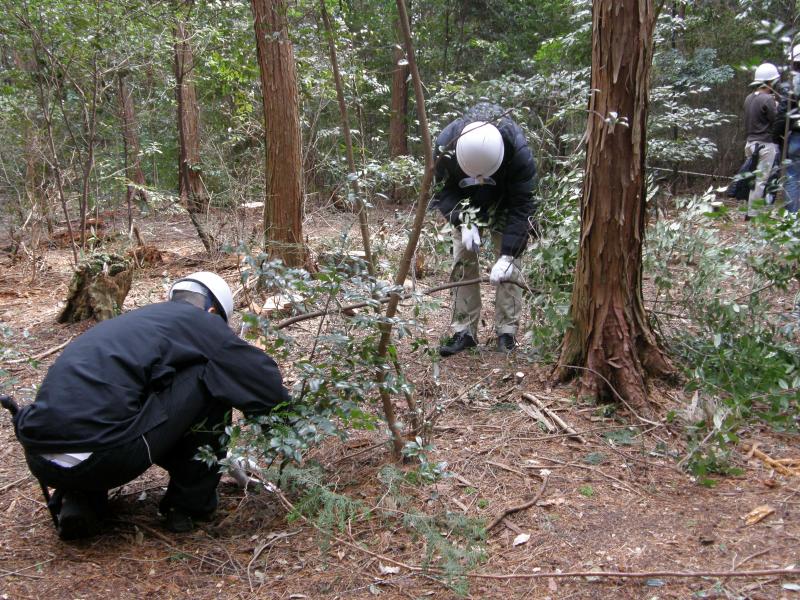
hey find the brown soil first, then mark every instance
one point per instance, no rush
(606, 506)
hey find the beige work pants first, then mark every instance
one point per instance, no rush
(467, 299)
(765, 159)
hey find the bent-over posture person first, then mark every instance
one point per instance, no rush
(487, 173)
(148, 387)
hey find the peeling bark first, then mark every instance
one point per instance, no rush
(610, 337)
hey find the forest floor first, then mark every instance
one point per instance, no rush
(610, 500)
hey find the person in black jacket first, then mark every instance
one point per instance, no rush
(487, 175)
(148, 387)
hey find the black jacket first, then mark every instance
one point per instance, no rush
(509, 204)
(104, 388)
(788, 94)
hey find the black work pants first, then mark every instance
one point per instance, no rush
(194, 419)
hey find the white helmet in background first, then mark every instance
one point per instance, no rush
(765, 73)
(480, 149)
(205, 282)
(794, 53)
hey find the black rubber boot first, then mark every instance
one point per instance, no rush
(80, 515)
(178, 521)
(506, 342)
(461, 340)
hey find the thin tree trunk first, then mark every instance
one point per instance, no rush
(130, 142)
(348, 141)
(34, 168)
(47, 115)
(283, 206)
(610, 338)
(191, 189)
(89, 128)
(446, 38)
(413, 237)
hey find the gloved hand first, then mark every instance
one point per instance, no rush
(470, 237)
(502, 270)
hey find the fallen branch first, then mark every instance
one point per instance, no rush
(638, 574)
(41, 355)
(19, 572)
(771, 462)
(512, 509)
(561, 422)
(537, 415)
(8, 486)
(384, 300)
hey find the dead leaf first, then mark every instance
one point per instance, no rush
(522, 538)
(759, 513)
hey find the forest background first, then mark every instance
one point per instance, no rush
(148, 109)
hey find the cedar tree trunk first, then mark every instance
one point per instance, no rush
(191, 189)
(610, 340)
(130, 140)
(283, 205)
(398, 131)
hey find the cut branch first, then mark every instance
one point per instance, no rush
(383, 300)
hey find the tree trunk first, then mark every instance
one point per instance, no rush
(398, 130)
(98, 289)
(130, 140)
(283, 205)
(610, 341)
(404, 266)
(361, 209)
(191, 189)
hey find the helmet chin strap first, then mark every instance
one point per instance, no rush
(479, 180)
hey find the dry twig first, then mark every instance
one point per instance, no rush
(512, 509)
(41, 355)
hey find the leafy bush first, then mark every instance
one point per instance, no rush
(742, 363)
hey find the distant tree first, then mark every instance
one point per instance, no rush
(283, 205)
(191, 189)
(398, 129)
(610, 342)
(130, 141)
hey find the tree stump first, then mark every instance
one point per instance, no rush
(98, 288)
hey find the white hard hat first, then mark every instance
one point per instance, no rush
(765, 73)
(205, 281)
(479, 150)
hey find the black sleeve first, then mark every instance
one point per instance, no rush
(779, 124)
(520, 201)
(245, 377)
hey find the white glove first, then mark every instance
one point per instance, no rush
(470, 238)
(502, 270)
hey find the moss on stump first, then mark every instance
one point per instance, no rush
(98, 288)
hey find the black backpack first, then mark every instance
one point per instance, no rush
(745, 177)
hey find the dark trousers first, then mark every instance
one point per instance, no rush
(194, 419)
